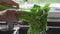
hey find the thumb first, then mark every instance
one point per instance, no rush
(12, 3)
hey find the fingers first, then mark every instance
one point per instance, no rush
(11, 16)
(11, 3)
(14, 3)
(19, 12)
(10, 12)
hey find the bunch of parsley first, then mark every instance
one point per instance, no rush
(36, 18)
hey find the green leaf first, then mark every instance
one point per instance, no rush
(46, 7)
(35, 9)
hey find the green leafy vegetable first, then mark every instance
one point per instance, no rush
(36, 18)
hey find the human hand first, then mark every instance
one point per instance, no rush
(10, 2)
(10, 15)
